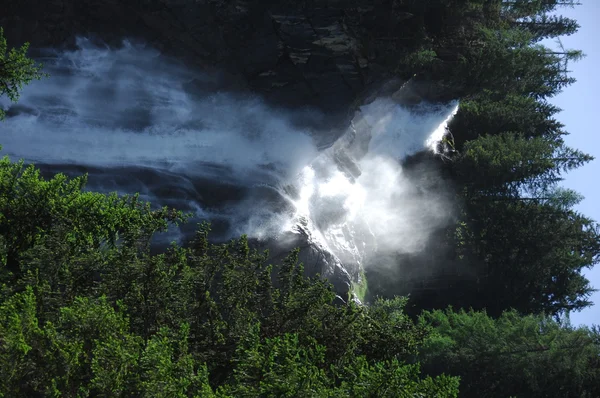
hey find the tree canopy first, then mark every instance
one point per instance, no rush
(16, 70)
(518, 242)
(89, 309)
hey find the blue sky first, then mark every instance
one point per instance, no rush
(580, 109)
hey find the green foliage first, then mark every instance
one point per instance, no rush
(86, 310)
(168, 369)
(528, 253)
(517, 241)
(390, 380)
(16, 70)
(420, 59)
(529, 356)
(59, 359)
(279, 367)
(360, 288)
(19, 330)
(492, 114)
(513, 163)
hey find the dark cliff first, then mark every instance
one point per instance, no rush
(331, 55)
(325, 54)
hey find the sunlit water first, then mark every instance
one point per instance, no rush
(138, 122)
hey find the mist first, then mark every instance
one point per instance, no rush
(139, 122)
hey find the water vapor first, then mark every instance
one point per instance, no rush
(139, 122)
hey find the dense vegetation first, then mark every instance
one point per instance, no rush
(518, 242)
(86, 309)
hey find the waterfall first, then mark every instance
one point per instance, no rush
(139, 122)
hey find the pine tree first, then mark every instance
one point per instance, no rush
(16, 70)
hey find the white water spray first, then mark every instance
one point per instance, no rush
(110, 109)
(361, 201)
(129, 106)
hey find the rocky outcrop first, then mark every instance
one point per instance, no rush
(315, 257)
(292, 53)
(318, 54)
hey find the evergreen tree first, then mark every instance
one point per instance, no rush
(16, 70)
(88, 309)
(532, 356)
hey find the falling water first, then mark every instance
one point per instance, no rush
(138, 122)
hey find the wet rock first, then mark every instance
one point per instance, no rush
(292, 54)
(297, 54)
(315, 257)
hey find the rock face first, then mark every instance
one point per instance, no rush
(316, 258)
(292, 53)
(314, 53)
